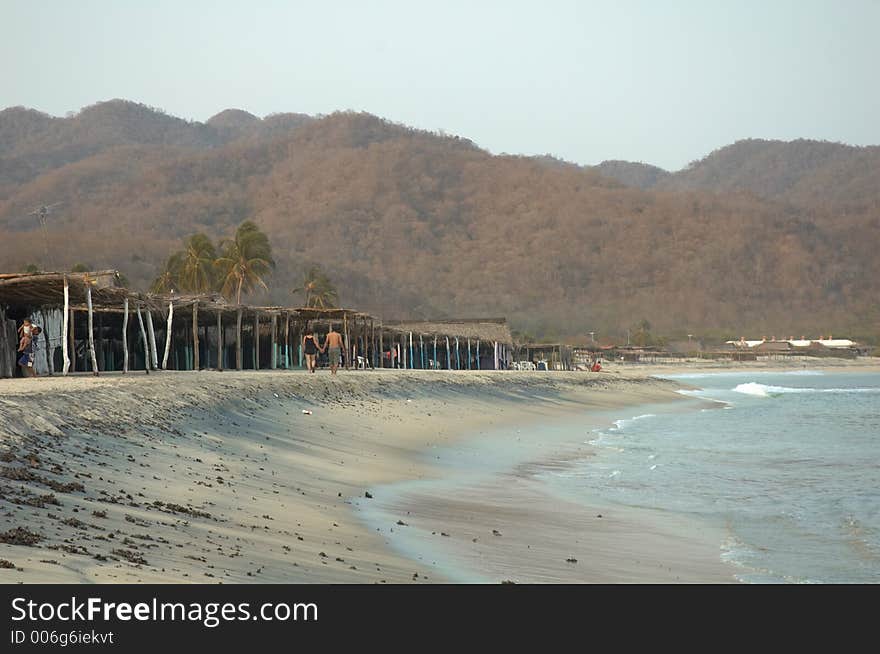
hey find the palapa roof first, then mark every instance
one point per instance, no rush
(484, 329)
(47, 289)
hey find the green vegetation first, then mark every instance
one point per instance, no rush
(240, 267)
(317, 288)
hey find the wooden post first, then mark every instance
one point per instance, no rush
(219, 340)
(72, 341)
(91, 333)
(256, 341)
(144, 339)
(346, 341)
(381, 349)
(168, 336)
(64, 328)
(273, 361)
(125, 336)
(99, 343)
(435, 361)
(478, 354)
(196, 361)
(469, 354)
(287, 341)
(154, 351)
(238, 340)
(457, 355)
(448, 357)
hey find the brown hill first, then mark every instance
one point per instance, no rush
(411, 225)
(809, 174)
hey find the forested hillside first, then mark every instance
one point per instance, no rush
(414, 224)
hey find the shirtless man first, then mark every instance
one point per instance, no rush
(333, 342)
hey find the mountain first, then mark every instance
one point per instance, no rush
(804, 173)
(639, 175)
(412, 224)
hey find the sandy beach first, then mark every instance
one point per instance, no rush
(225, 478)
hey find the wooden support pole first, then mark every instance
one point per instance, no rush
(144, 340)
(448, 357)
(381, 348)
(287, 341)
(457, 355)
(273, 361)
(219, 340)
(168, 336)
(435, 360)
(72, 341)
(196, 362)
(256, 341)
(125, 336)
(238, 340)
(64, 327)
(91, 333)
(478, 354)
(346, 340)
(102, 363)
(469, 354)
(154, 351)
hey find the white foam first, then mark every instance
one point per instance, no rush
(766, 390)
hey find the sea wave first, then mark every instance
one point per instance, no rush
(767, 390)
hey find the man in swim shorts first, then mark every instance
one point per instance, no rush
(333, 344)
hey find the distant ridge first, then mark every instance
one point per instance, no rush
(759, 236)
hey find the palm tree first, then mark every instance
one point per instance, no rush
(196, 274)
(169, 279)
(320, 292)
(244, 261)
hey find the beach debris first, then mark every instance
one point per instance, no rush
(495, 532)
(7, 564)
(276, 394)
(368, 495)
(508, 581)
(307, 412)
(571, 560)
(598, 515)
(20, 536)
(443, 533)
(401, 523)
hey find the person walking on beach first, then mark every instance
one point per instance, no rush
(26, 349)
(310, 349)
(333, 343)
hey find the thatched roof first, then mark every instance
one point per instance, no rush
(47, 289)
(484, 329)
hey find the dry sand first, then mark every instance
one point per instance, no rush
(220, 477)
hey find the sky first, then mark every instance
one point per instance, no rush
(659, 81)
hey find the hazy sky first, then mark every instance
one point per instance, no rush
(663, 82)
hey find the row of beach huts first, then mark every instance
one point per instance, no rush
(93, 324)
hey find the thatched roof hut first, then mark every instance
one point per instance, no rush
(488, 330)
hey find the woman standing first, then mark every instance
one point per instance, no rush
(310, 349)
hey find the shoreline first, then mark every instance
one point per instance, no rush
(220, 478)
(491, 523)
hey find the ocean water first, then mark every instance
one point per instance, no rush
(787, 463)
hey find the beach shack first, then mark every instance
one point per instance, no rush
(77, 312)
(547, 356)
(451, 344)
(91, 323)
